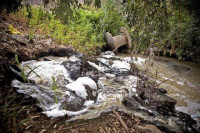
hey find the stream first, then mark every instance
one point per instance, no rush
(62, 86)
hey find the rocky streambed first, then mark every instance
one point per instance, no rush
(85, 89)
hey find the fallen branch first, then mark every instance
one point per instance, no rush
(121, 121)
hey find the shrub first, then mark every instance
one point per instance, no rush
(84, 29)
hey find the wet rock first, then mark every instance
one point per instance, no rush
(46, 59)
(20, 39)
(173, 122)
(73, 103)
(92, 94)
(74, 68)
(131, 103)
(186, 122)
(61, 81)
(159, 110)
(109, 55)
(93, 75)
(162, 103)
(162, 91)
(79, 55)
(60, 51)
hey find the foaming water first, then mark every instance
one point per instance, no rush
(110, 92)
(180, 78)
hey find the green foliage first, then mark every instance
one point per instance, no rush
(22, 69)
(23, 74)
(85, 27)
(54, 88)
(47, 23)
(112, 18)
(163, 24)
(63, 10)
(38, 15)
(148, 22)
(12, 109)
(83, 33)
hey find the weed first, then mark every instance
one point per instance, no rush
(23, 74)
(54, 88)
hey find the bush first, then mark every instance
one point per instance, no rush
(85, 27)
(82, 29)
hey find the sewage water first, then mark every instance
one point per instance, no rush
(111, 87)
(71, 94)
(180, 78)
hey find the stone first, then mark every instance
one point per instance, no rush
(92, 94)
(161, 103)
(60, 51)
(131, 103)
(162, 91)
(74, 68)
(20, 39)
(73, 103)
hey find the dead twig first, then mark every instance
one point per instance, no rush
(174, 77)
(121, 121)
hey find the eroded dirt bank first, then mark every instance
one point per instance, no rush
(143, 106)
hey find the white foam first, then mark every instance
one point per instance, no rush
(72, 113)
(110, 75)
(180, 83)
(102, 60)
(87, 81)
(107, 56)
(96, 66)
(88, 103)
(78, 88)
(136, 60)
(46, 70)
(73, 58)
(133, 90)
(121, 65)
(56, 113)
(128, 59)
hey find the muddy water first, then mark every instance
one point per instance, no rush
(180, 78)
